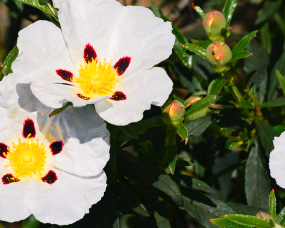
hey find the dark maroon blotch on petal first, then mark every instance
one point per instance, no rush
(50, 178)
(122, 65)
(29, 128)
(3, 150)
(56, 147)
(89, 53)
(83, 97)
(118, 96)
(65, 74)
(9, 178)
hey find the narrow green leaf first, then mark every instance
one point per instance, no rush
(198, 126)
(161, 221)
(201, 104)
(266, 135)
(127, 155)
(280, 101)
(171, 151)
(180, 38)
(45, 8)
(199, 11)
(280, 21)
(235, 145)
(131, 200)
(182, 131)
(272, 205)
(225, 223)
(13, 54)
(250, 220)
(146, 171)
(242, 44)
(279, 129)
(149, 151)
(60, 110)
(281, 217)
(127, 130)
(265, 35)
(216, 86)
(31, 222)
(268, 11)
(244, 209)
(240, 55)
(195, 49)
(229, 9)
(281, 80)
(257, 182)
(245, 104)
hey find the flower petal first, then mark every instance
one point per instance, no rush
(141, 89)
(65, 201)
(42, 51)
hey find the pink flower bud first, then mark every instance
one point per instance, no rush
(191, 100)
(173, 113)
(263, 215)
(213, 23)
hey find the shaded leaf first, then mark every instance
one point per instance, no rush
(281, 80)
(281, 217)
(245, 209)
(198, 126)
(279, 129)
(200, 105)
(127, 130)
(268, 11)
(31, 222)
(280, 101)
(171, 151)
(182, 131)
(127, 155)
(229, 9)
(250, 220)
(245, 104)
(161, 221)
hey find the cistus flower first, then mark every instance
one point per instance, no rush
(103, 54)
(219, 55)
(49, 167)
(213, 23)
(173, 113)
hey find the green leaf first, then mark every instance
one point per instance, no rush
(279, 129)
(127, 155)
(273, 83)
(180, 38)
(60, 110)
(250, 220)
(281, 80)
(131, 200)
(181, 162)
(280, 101)
(229, 9)
(195, 49)
(149, 151)
(45, 8)
(257, 182)
(244, 209)
(199, 11)
(272, 205)
(268, 11)
(146, 171)
(127, 130)
(240, 55)
(235, 145)
(281, 217)
(161, 221)
(225, 223)
(181, 131)
(266, 135)
(245, 104)
(13, 54)
(198, 126)
(171, 151)
(31, 222)
(200, 105)
(216, 86)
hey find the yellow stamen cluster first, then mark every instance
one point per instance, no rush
(97, 78)
(27, 159)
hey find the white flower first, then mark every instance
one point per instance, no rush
(49, 167)
(277, 160)
(103, 54)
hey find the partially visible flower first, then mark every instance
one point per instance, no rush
(191, 100)
(103, 54)
(173, 113)
(49, 167)
(213, 23)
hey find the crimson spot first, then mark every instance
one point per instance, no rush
(122, 65)
(3, 150)
(29, 128)
(56, 147)
(50, 178)
(9, 178)
(83, 97)
(89, 53)
(118, 96)
(65, 75)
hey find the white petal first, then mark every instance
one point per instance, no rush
(65, 201)
(42, 51)
(86, 139)
(142, 89)
(276, 166)
(56, 95)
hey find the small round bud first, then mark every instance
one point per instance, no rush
(173, 113)
(213, 23)
(191, 100)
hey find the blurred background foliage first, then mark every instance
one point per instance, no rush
(232, 165)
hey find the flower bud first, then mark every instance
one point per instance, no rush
(191, 100)
(213, 23)
(263, 215)
(173, 113)
(219, 55)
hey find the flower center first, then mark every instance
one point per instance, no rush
(97, 78)
(27, 159)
